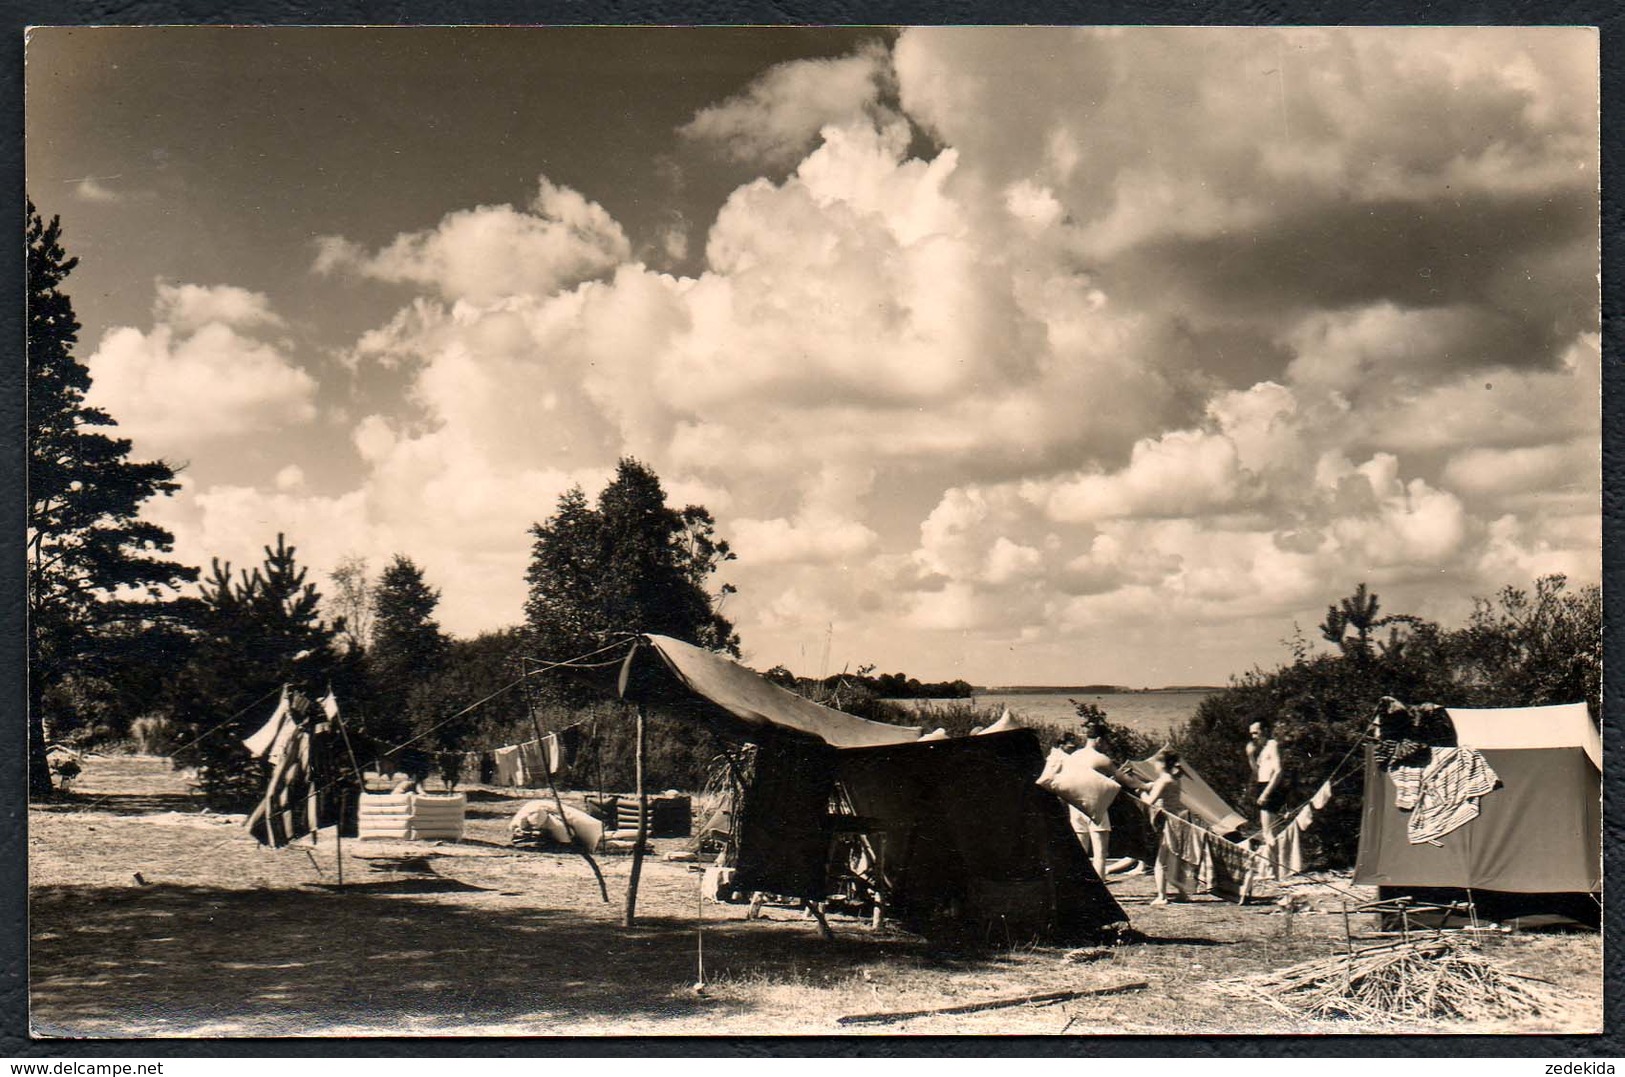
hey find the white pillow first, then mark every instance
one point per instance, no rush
(1074, 780)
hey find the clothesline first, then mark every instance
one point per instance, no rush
(544, 667)
(519, 764)
(532, 741)
(1323, 793)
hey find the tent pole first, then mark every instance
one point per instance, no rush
(643, 825)
(558, 802)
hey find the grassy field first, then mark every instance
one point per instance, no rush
(149, 917)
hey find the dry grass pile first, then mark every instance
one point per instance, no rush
(1433, 979)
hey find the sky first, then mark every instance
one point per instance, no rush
(1022, 355)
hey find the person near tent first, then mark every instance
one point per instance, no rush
(1269, 778)
(1094, 831)
(1162, 795)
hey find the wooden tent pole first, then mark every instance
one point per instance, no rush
(643, 825)
(558, 802)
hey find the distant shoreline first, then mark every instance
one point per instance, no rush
(1088, 690)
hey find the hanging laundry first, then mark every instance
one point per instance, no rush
(1182, 854)
(1448, 798)
(1407, 786)
(552, 753)
(1288, 852)
(1322, 797)
(330, 705)
(310, 786)
(507, 766)
(532, 765)
(1196, 860)
(274, 733)
(1304, 819)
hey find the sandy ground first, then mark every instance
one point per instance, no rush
(149, 917)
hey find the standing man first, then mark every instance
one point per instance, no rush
(1269, 788)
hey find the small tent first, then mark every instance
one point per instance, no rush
(1535, 845)
(963, 839)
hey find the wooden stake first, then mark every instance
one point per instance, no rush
(1044, 998)
(643, 826)
(338, 834)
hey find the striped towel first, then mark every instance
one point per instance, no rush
(1452, 782)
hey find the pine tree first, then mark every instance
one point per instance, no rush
(260, 630)
(408, 652)
(88, 550)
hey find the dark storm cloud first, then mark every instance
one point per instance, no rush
(1519, 261)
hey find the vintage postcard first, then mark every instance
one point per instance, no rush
(543, 531)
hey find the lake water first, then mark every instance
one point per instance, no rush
(1152, 713)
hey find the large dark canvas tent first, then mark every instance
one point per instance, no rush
(1536, 844)
(962, 838)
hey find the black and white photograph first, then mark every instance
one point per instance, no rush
(632, 531)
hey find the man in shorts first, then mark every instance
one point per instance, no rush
(1269, 779)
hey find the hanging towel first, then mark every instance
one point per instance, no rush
(1322, 797)
(1407, 786)
(533, 769)
(1304, 819)
(1288, 852)
(507, 766)
(552, 753)
(1182, 854)
(1450, 788)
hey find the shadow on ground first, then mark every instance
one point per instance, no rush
(280, 962)
(123, 803)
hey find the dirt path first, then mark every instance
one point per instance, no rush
(220, 937)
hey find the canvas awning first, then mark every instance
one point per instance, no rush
(744, 702)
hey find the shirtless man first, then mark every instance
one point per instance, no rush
(1269, 789)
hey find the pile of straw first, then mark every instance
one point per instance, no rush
(1431, 979)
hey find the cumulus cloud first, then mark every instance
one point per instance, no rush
(200, 373)
(491, 252)
(188, 308)
(776, 119)
(1180, 334)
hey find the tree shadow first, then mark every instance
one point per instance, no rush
(123, 803)
(160, 960)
